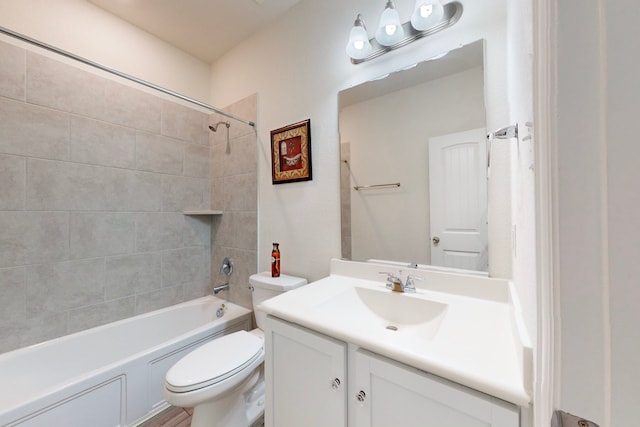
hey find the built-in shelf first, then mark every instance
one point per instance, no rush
(203, 212)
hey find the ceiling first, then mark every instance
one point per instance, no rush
(205, 29)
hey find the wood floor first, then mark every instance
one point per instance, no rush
(178, 417)
(170, 417)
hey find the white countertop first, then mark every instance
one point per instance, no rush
(478, 342)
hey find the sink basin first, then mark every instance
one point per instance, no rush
(382, 309)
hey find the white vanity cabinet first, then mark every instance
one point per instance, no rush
(386, 393)
(315, 380)
(309, 387)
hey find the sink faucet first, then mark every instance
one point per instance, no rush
(395, 283)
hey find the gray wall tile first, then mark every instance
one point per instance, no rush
(100, 314)
(161, 298)
(217, 193)
(132, 191)
(196, 289)
(182, 266)
(12, 182)
(184, 193)
(33, 237)
(240, 192)
(12, 71)
(101, 234)
(100, 143)
(236, 230)
(72, 186)
(197, 230)
(51, 83)
(58, 186)
(63, 286)
(156, 153)
(82, 162)
(29, 130)
(13, 296)
(234, 189)
(132, 107)
(243, 155)
(196, 160)
(37, 328)
(133, 274)
(240, 159)
(158, 231)
(184, 123)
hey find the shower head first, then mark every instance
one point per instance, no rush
(215, 127)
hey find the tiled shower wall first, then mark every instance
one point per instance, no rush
(94, 176)
(234, 191)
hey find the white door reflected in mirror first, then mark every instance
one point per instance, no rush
(458, 200)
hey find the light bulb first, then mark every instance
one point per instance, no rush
(426, 10)
(426, 14)
(390, 29)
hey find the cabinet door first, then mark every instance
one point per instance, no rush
(305, 376)
(398, 395)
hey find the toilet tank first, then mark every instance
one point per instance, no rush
(264, 287)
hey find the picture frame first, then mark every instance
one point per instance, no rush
(291, 153)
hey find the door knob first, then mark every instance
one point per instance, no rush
(435, 240)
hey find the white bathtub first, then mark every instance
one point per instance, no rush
(112, 375)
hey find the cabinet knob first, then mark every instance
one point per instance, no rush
(335, 384)
(361, 396)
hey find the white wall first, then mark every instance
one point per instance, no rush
(388, 138)
(598, 206)
(84, 29)
(297, 66)
(519, 52)
(623, 206)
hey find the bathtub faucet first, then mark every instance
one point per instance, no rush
(218, 289)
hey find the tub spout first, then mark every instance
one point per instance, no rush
(218, 289)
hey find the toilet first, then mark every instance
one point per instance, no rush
(223, 380)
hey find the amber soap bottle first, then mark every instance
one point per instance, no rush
(275, 260)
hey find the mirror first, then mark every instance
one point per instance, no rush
(396, 207)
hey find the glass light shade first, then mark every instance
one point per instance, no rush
(390, 29)
(358, 46)
(426, 14)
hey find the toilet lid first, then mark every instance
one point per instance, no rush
(214, 362)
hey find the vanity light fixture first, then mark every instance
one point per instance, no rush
(429, 17)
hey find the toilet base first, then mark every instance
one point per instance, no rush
(240, 408)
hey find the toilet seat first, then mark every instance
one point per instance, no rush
(214, 362)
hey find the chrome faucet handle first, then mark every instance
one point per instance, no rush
(393, 282)
(410, 286)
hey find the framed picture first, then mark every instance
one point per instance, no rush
(291, 153)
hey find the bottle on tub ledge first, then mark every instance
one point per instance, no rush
(275, 260)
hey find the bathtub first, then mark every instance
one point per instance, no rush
(111, 375)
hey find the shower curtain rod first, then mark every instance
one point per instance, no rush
(119, 73)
